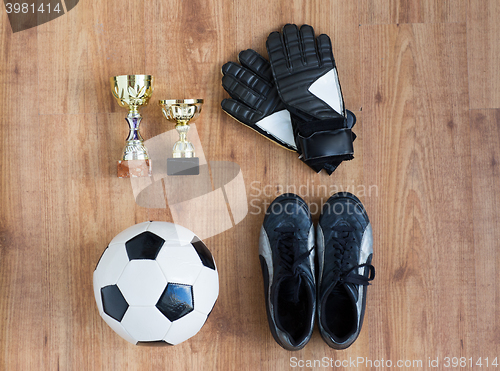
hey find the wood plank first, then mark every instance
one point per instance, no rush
(62, 63)
(416, 120)
(69, 189)
(22, 273)
(389, 132)
(483, 53)
(412, 11)
(485, 144)
(443, 181)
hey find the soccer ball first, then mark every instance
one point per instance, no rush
(156, 283)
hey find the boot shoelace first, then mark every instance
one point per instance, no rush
(290, 257)
(342, 247)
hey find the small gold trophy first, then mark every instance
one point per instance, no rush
(132, 92)
(181, 112)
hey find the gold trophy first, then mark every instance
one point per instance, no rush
(181, 112)
(132, 92)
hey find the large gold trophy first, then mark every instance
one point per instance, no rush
(133, 92)
(182, 112)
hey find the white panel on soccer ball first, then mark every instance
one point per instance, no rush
(145, 323)
(206, 290)
(171, 232)
(97, 293)
(185, 327)
(179, 263)
(142, 282)
(111, 265)
(130, 232)
(118, 328)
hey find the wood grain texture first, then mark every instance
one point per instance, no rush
(62, 74)
(388, 72)
(426, 168)
(483, 53)
(484, 129)
(412, 11)
(23, 279)
(417, 123)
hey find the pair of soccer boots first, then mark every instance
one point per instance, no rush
(296, 289)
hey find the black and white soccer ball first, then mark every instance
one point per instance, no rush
(156, 282)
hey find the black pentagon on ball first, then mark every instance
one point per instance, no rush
(146, 245)
(155, 343)
(113, 302)
(204, 253)
(176, 301)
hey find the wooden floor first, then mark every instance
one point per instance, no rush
(422, 78)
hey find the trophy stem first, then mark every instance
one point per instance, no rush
(134, 111)
(183, 148)
(134, 120)
(134, 148)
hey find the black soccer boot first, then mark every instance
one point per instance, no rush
(286, 252)
(345, 248)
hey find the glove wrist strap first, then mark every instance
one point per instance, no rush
(323, 138)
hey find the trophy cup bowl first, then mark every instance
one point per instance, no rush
(182, 112)
(133, 92)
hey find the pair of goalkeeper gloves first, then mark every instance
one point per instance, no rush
(295, 99)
